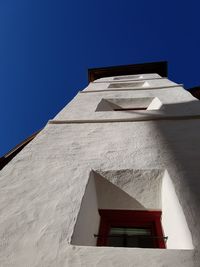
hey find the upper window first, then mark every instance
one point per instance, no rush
(130, 228)
(128, 85)
(129, 104)
(129, 109)
(128, 77)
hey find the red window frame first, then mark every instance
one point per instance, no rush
(131, 218)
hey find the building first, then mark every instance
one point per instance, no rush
(112, 180)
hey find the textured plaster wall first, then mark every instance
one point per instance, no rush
(43, 186)
(173, 219)
(155, 104)
(88, 219)
(129, 189)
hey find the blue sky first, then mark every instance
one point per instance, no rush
(46, 47)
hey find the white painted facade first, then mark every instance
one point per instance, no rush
(90, 157)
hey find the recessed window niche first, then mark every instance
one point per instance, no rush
(148, 193)
(128, 77)
(129, 104)
(128, 85)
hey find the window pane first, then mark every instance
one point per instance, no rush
(130, 231)
(130, 237)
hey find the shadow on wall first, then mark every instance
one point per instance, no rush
(181, 142)
(99, 194)
(179, 139)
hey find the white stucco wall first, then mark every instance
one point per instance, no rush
(173, 218)
(43, 186)
(129, 189)
(87, 223)
(155, 104)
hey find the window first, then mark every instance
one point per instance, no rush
(129, 109)
(128, 77)
(128, 85)
(129, 104)
(130, 228)
(115, 211)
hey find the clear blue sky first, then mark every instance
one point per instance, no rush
(46, 47)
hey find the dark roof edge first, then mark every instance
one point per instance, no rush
(195, 91)
(13, 152)
(159, 67)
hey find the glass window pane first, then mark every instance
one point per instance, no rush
(130, 237)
